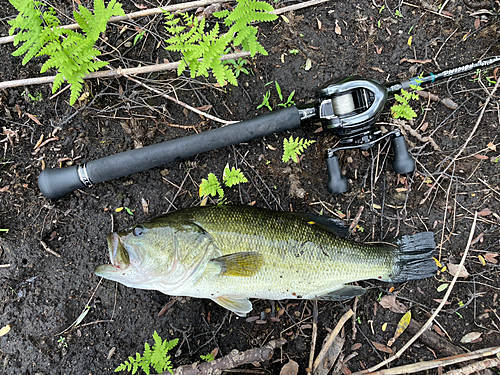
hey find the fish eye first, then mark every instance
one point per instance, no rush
(138, 230)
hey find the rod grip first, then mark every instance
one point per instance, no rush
(54, 184)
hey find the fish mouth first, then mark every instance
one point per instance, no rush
(118, 256)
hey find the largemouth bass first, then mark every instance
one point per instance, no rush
(232, 253)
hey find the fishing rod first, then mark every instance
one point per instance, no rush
(349, 107)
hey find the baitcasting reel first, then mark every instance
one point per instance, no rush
(350, 107)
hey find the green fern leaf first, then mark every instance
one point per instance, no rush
(211, 186)
(294, 147)
(233, 176)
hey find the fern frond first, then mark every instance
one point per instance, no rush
(29, 22)
(294, 147)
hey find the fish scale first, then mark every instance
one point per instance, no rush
(232, 253)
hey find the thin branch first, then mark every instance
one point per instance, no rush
(187, 106)
(464, 146)
(232, 360)
(431, 319)
(113, 72)
(175, 8)
(427, 365)
(142, 13)
(331, 338)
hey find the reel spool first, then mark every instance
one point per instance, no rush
(350, 108)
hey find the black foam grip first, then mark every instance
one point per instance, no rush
(336, 183)
(56, 183)
(137, 160)
(403, 162)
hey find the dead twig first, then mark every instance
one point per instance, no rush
(175, 8)
(112, 73)
(314, 335)
(436, 312)
(475, 367)
(464, 146)
(427, 365)
(333, 334)
(201, 113)
(49, 250)
(232, 360)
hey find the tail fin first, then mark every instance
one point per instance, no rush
(414, 257)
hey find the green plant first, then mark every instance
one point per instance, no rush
(71, 53)
(403, 109)
(155, 357)
(201, 50)
(139, 36)
(294, 147)
(212, 186)
(265, 101)
(267, 95)
(37, 98)
(238, 67)
(62, 342)
(293, 51)
(207, 358)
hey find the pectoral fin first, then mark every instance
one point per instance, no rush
(346, 292)
(240, 306)
(244, 264)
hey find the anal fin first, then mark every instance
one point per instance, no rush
(240, 306)
(346, 292)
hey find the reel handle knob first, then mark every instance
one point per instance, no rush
(403, 162)
(336, 183)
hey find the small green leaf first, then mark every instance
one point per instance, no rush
(442, 287)
(233, 176)
(211, 186)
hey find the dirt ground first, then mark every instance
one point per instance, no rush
(48, 254)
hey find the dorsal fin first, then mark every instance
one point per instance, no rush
(334, 225)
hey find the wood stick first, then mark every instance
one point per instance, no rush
(332, 336)
(476, 367)
(232, 360)
(426, 326)
(142, 13)
(113, 72)
(427, 365)
(175, 8)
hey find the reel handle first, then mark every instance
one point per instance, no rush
(337, 182)
(403, 162)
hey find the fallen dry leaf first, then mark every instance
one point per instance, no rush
(356, 346)
(484, 212)
(140, 6)
(453, 269)
(481, 157)
(33, 118)
(319, 23)
(438, 330)
(404, 322)
(492, 146)
(447, 102)
(382, 348)
(338, 30)
(5, 330)
(390, 302)
(490, 257)
(291, 368)
(471, 337)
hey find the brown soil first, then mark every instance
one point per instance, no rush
(42, 294)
